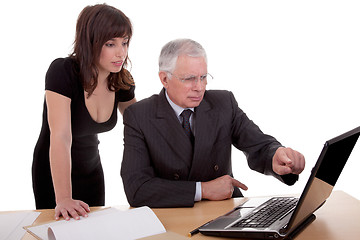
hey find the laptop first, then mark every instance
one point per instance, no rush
(285, 217)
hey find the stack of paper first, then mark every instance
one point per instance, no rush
(108, 224)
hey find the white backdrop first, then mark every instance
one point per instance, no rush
(292, 65)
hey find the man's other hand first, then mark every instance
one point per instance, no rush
(287, 160)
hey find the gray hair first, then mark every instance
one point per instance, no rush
(173, 49)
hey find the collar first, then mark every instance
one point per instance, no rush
(177, 109)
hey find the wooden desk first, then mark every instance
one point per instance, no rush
(338, 219)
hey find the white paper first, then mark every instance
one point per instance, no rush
(106, 224)
(11, 224)
(41, 231)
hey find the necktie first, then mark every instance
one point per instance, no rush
(186, 123)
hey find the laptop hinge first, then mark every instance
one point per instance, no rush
(299, 228)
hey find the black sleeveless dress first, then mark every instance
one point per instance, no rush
(87, 176)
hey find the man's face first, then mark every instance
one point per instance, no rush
(185, 93)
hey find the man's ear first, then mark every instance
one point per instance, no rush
(164, 78)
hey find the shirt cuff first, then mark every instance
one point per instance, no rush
(198, 192)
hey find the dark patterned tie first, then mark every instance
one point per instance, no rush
(186, 123)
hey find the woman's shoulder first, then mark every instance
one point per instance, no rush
(62, 76)
(127, 93)
(124, 95)
(63, 64)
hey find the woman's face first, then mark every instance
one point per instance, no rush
(113, 55)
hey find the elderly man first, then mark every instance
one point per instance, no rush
(177, 145)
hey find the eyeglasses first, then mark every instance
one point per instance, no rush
(192, 80)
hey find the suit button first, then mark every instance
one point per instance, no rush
(216, 167)
(176, 176)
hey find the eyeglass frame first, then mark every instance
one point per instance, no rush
(185, 80)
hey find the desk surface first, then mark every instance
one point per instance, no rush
(338, 218)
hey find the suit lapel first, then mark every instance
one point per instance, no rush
(167, 123)
(205, 135)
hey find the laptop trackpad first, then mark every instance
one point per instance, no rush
(237, 213)
(254, 202)
(246, 207)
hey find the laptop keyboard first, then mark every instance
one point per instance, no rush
(268, 213)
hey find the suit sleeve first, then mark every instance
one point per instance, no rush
(141, 184)
(259, 148)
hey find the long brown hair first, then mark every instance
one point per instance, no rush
(95, 26)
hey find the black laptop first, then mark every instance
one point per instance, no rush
(284, 217)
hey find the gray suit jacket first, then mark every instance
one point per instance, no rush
(160, 167)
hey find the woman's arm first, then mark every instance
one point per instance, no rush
(59, 118)
(123, 105)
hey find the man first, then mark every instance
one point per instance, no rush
(168, 163)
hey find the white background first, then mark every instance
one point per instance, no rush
(292, 65)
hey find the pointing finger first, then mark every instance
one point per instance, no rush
(239, 184)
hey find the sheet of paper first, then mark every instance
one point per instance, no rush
(11, 224)
(106, 224)
(41, 231)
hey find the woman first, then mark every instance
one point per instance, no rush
(83, 92)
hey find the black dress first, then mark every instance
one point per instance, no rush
(87, 176)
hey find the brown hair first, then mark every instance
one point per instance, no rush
(95, 26)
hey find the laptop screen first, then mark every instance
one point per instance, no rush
(324, 175)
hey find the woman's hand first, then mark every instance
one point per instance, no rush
(69, 207)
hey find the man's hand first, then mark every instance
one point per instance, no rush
(287, 160)
(220, 188)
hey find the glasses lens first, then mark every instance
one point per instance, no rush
(191, 79)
